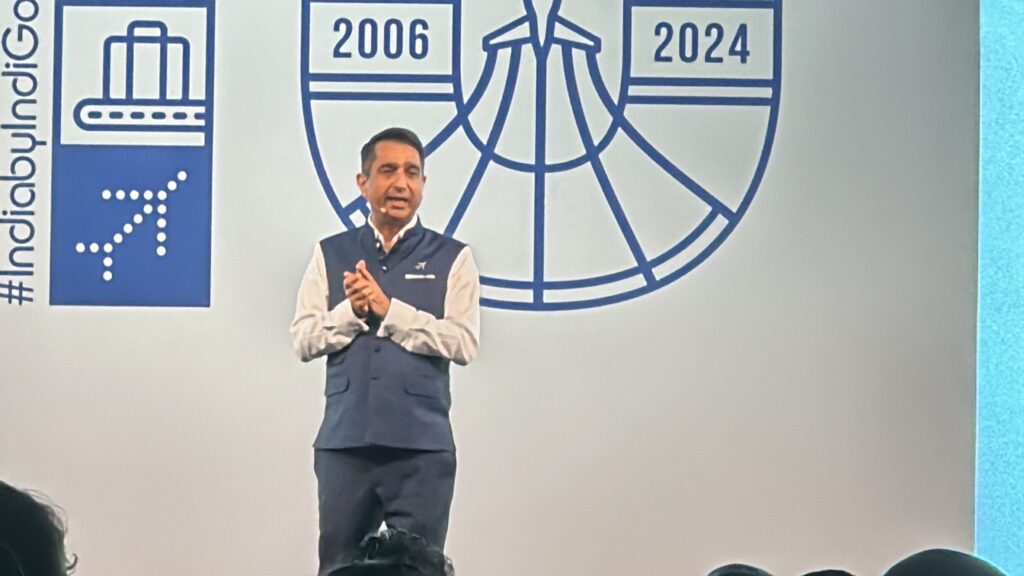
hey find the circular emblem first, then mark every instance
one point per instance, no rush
(588, 157)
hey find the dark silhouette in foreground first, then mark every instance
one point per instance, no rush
(31, 536)
(397, 553)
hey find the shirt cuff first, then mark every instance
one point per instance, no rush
(343, 318)
(398, 320)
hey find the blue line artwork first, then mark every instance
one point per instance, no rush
(129, 111)
(133, 154)
(576, 191)
(151, 206)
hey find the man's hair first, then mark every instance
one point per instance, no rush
(394, 134)
(31, 536)
(397, 553)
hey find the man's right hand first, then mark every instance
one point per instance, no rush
(359, 300)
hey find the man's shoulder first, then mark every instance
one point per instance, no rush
(340, 237)
(436, 236)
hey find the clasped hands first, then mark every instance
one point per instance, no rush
(365, 294)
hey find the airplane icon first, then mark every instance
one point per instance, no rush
(542, 26)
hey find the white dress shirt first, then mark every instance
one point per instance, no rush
(317, 331)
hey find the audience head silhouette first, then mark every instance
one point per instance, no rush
(397, 553)
(940, 562)
(31, 536)
(738, 570)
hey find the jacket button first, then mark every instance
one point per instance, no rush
(376, 348)
(384, 268)
(375, 377)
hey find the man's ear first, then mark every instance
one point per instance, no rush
(361, 183)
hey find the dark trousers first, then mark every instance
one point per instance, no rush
(359, 488)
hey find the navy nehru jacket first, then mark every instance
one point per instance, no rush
(379, 393)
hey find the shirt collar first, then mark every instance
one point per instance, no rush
(380, 238)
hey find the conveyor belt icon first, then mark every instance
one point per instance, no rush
(126, 106)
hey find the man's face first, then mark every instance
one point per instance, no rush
(394, 185)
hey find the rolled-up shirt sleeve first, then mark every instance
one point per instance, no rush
(454, 337)
(317, 330)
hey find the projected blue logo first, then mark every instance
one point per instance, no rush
(132, 163)
(575, 192)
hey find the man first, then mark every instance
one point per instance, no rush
(391, 304)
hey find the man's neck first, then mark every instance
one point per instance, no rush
(388, 230)
(388, 233)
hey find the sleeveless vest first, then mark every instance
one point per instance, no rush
(378, 393)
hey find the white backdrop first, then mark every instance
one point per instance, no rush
(804, 398)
